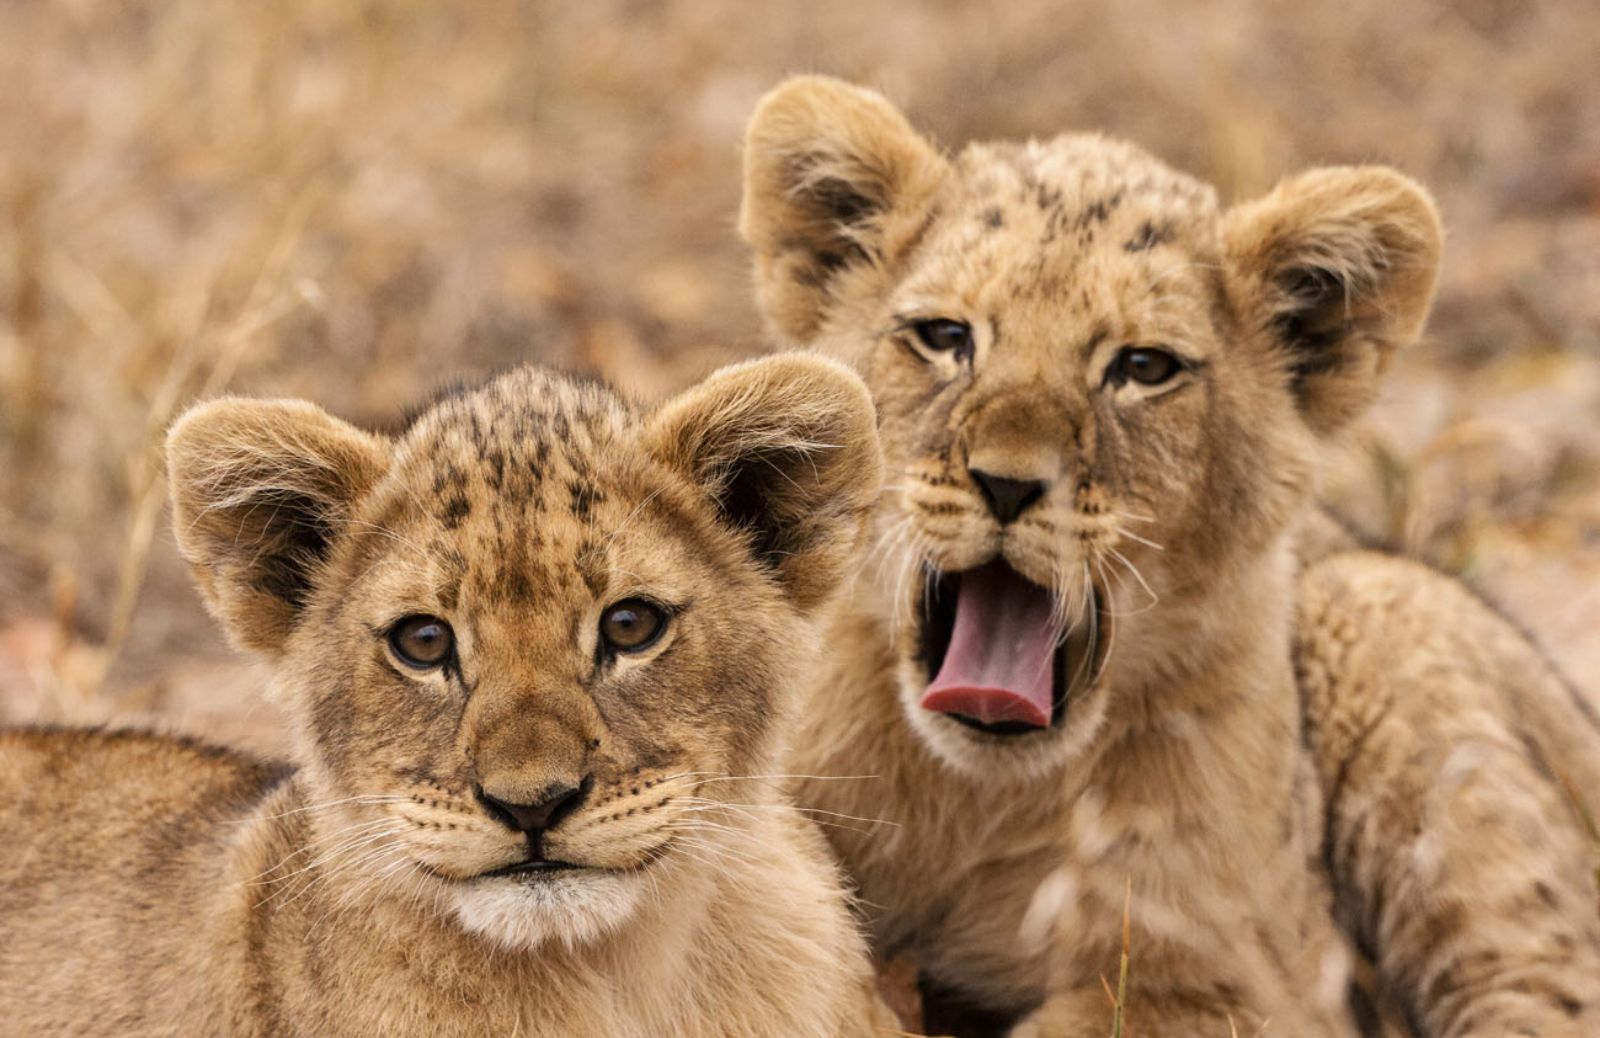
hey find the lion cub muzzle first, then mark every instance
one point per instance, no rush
(999, 653)
(532, 820)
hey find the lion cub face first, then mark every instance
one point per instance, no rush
(532, 640)
(1099, 391)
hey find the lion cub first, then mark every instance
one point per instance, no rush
(1108, 694)
(538, 652)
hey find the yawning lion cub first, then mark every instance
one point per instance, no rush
(1091, 663)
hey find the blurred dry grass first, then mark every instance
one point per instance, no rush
(356, 201)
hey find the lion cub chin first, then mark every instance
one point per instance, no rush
(574, 910)
(536, 651)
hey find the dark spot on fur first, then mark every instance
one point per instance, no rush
(994, 218)
(494, 461)
(585, 496)
(1148, 236)
(1097, 212)
(516, 584)
(455, 510)
(449, 477)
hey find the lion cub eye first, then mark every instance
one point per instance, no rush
(423, 642)
(631, 625)
(945, 336)
(1145, 365)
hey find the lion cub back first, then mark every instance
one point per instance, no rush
(1456, 763)
(125, 822)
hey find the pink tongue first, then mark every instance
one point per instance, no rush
(999, 665)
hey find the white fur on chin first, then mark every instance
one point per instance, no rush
(575, 908)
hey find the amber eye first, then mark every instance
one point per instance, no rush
(1145, 365)
(945, 336)
(423, 642)
(632, 624)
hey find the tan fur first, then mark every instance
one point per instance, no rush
(152, 886)
(1451, 754)
(1185, 778)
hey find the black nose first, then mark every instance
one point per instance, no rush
(554, 804)
(1007, 498)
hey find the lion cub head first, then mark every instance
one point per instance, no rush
(1099, 391)
(530, 641)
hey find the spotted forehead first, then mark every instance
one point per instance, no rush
(511, 442)
(1080, 224)
(515, 483)
(1077, 182)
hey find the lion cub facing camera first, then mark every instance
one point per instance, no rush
(537, 652)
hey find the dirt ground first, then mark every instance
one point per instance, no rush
(355, 202)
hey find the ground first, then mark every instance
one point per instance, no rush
(358, 202)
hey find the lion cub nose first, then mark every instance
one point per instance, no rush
(551, 806)
(1007, 498)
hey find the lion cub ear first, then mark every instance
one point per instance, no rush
(836, 184)
(1338, 267)
(260, 489)
(786, 448)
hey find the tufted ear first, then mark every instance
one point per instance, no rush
(259, 490)
(787, 450)
(835, 180)
(1338, 267)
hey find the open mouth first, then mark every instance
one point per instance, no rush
(995, 657)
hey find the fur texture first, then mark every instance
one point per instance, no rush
(1240, 758)
(152, 886)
